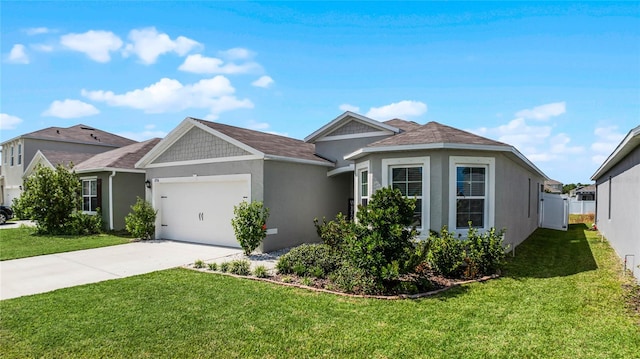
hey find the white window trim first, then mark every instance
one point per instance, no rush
(490, 208)
(425, 162)
(82, 179)
(362, 166)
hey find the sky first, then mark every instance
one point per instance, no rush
(559, 81)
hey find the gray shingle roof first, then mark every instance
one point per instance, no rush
(403, 124)
(434, 132)
(267, 143)
(65, 158)
(123, 157)
(81, 134)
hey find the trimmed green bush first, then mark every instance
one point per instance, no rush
(351, 279)
(84, 224)
(249, 224)
(486, 252)
(315, 260)
(447, 255)
(198, 264)
(224, 267)
(261, 271)
(240, 267)
(213, 266)
(141, 222)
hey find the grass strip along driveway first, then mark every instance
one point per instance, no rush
(23, 242)
(560, 297)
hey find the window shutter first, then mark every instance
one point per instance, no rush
(99, 194)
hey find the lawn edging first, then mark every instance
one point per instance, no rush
(351, 295)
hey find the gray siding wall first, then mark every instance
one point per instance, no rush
(197, 144)
(127, 187)
(336, 150)
(296, 194)
(514, 209)
(617, 215)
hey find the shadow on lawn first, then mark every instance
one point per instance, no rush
(549, 253)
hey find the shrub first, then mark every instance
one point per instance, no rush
(351, 279)
(198, 264)
(447, 255)
(261, 271)
(306, 281)
(141, 222)
(240, 267)
(84, 224)
(213, 266)
(249, 224)
(486, 252)
(334, 233)
(224, 267)
(50, 197)
(308, 260)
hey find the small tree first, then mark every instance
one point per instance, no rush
(249, 224)
(50, 198)
(141, 222)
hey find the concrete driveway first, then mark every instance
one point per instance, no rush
(41, 274)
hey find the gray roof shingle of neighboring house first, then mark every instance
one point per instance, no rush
(122, 158)
(403, 124)
(79, 134)
(585, 189)
(434, 132)
(268, 143)
(65, 158)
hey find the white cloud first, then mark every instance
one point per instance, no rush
(37, 30)
(41, 47)
(237, 53)
(70, 109)
(543, 112)
(148, 133)
(347, 107)
(8, 122)
(148, 45)
(560, 144)
(18, 55)
(95, 44)
(210, 65)
(264, 82)
(402, 109)
(169, 95)
(607, 139)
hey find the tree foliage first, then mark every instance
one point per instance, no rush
(50, 198)
(249, 224)
(141, 221)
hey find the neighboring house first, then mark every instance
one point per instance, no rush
(111, 182)
(52, 159)
(551, 186)
(584, 193)
(18, 152)
(618, 200)
(202, 169)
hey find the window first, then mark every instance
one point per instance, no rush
(19, 153)
(411, 177)
(471, 192)
(11, 155)
(362, 184)
(89, 195)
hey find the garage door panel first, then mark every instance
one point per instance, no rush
(200, 211)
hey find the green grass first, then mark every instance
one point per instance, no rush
(23, 242)
(561, 297)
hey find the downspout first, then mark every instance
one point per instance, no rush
(113, 174)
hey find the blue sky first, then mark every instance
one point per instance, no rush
(560, 81)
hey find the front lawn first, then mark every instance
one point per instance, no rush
(560, 297)
(23, 242)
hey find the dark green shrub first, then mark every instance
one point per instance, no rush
(336, 232)
(249, 224)
(50, 198)
(198, 264)
(308, 260)
(240, 267)
(447, 255)
(261, 272)
(84, 224)
(213, 266)
(351, 279)
(486, 251)
(141, 222)
(224, 267)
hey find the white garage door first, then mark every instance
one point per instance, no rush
(200, 209)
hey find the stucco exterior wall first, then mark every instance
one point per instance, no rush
(515, 206)
(296, 194)
(618, 208)
(127, 187)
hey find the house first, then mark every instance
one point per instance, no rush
(552, 186)
(618, 200)
(56, 145)
(111, 182)
(202, 169)
(584, 193)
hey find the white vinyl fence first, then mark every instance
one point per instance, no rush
(581, 207)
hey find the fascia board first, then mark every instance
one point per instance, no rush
(111, 169)
(624, 147)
